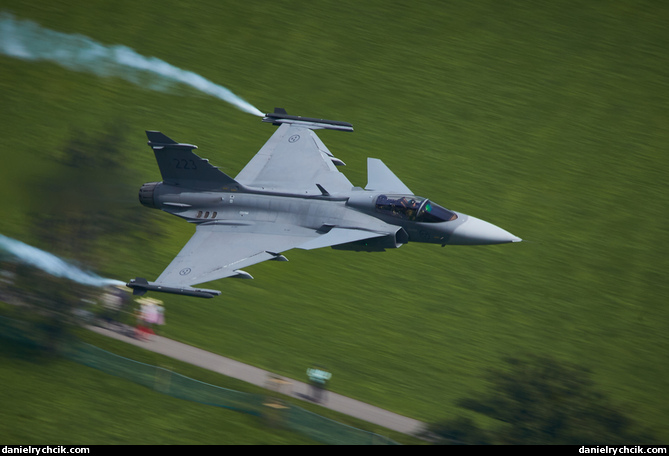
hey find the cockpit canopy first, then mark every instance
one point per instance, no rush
(413, 208)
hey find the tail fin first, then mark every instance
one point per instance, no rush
(181, 167)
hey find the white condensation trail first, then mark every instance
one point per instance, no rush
(27, 40)
(52, 264)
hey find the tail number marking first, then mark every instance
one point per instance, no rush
(184, 164)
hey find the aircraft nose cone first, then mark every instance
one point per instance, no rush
(479, 232)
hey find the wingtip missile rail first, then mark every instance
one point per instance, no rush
(140, 286)
(280, 116)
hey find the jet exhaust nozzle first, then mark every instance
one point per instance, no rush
(147, 194)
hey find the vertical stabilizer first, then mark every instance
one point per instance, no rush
(179, 166)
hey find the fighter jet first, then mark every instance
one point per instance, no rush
(290, 195)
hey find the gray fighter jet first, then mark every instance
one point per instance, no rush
(290, 195)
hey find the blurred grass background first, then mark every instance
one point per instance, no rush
(48, 407)
(548, 119)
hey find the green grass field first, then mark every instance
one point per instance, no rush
(549, 119)
(45, 406)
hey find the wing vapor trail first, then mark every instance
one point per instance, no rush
(27, 40)
(52, 264)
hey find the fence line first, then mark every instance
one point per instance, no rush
(275, 412)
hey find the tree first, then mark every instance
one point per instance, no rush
(90, 197)
(540, 400)
(44, 306)
(88, 200)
